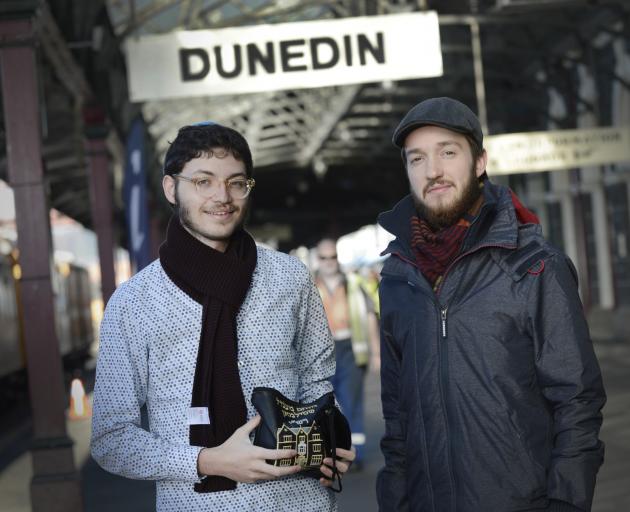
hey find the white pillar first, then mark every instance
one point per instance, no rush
(592, 182)
(536, 198)
(561, 185)
(621, 99)
(602, 247)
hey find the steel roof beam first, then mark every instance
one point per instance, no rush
(335, 111)
(56, 50)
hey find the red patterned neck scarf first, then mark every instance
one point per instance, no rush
(434, 251)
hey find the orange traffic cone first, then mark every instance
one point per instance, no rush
(79, 406)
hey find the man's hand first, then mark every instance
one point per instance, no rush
(238, 459)
(344, 460)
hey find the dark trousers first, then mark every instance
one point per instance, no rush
(348, 385)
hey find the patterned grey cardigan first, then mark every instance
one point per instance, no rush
(148, 350)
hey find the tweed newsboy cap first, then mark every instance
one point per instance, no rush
(443, 112)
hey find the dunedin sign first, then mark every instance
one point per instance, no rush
(284, 56)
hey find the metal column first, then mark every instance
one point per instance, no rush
(55, 485)
(98, 156)
(480, 87)
(477, 55)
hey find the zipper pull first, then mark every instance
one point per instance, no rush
(443, 312)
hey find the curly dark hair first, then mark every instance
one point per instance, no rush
(196, 140)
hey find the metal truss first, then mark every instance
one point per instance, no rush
(283, 128)
(527, 48)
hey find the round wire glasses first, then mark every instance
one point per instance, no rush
(207, 186)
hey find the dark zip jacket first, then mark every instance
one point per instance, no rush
(490, 386)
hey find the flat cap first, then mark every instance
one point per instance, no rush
(443, 112)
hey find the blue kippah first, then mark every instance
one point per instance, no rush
(204, 123)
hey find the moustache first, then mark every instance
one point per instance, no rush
(434, 183)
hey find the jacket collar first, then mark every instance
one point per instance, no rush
(495, 225)
(397, 222)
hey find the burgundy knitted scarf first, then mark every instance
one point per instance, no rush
(219, 282)
(434, 251)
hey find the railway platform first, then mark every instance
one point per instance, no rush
(104, 492)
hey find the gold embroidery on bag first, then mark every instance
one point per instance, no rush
(307, 441)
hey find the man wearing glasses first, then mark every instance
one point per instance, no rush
(193, 333)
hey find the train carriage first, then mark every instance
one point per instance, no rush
(73, 316)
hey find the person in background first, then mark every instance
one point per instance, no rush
(371, 280)
(193, 333)
(352, 320)
(491, 390)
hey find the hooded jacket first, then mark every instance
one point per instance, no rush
(491, 389)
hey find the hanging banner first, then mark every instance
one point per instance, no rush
(563, 149)
(135, 197)
(284, 56)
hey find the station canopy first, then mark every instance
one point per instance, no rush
(323, 156)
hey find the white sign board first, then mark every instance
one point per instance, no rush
(284, 56)
(563, 149)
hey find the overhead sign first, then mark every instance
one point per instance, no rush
(562, 149)
(284, 56)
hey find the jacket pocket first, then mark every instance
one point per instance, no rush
(402, 419)
(532, 473)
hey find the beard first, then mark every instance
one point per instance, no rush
(187, 221)
(446, 215)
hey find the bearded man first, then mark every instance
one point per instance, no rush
(193, 333)
(491, 390)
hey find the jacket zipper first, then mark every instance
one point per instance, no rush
(443, 383)
(443, 363)
(443, 351)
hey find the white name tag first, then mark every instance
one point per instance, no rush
(198, 416)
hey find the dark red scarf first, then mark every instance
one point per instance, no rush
(523, 215)
(434, 251)
(218, 281)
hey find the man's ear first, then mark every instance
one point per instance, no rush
(168, 185)
(482, 161)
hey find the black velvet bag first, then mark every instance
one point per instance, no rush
(314, 430)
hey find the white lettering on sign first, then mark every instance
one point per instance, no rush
(554, 150)
(284, 56)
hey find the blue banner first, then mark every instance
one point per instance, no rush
(135, 197)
